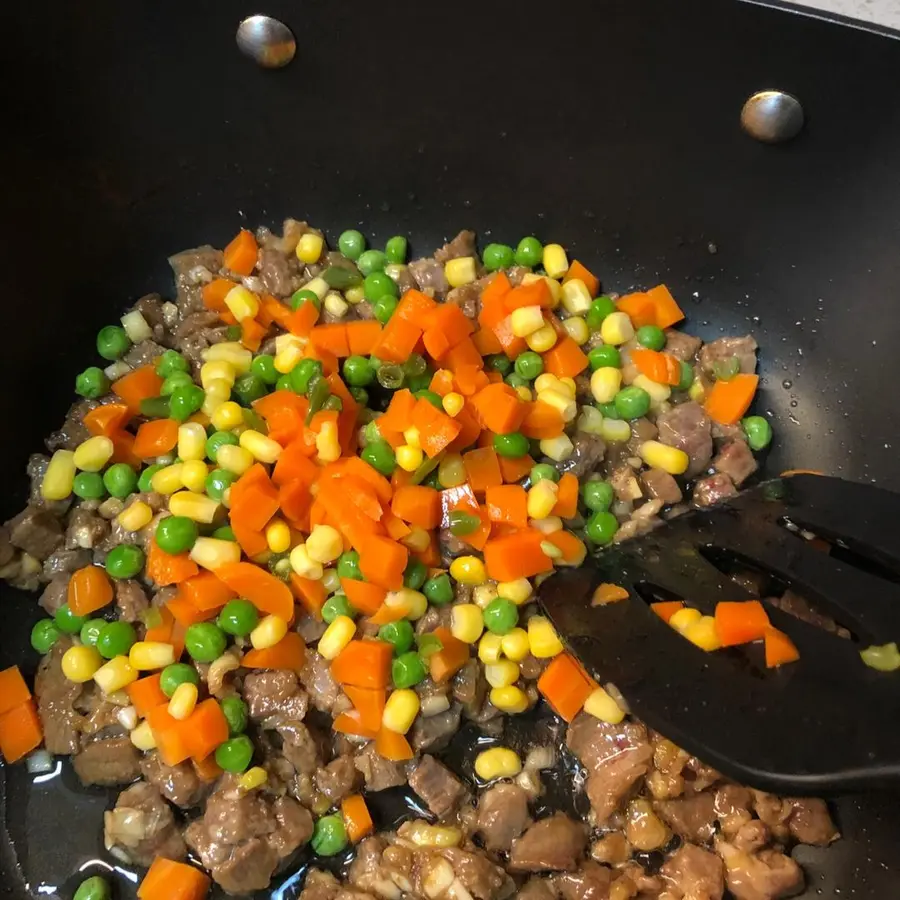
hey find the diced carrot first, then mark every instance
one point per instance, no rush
(542, 421)
(186, 613)
(161, 632)
(205, 591)
(465, 353)
(332, 338)
(498, 408)
(240, 255)
(227, 317)
(364, 663)
(666, 311)
(20, 731)
(393, 746)
(566, 359)
(486, 342)
(577, 270)
(470, 428)
(288, 653)
(395, 527)
(383, 561)
(607, 593)
(639, 309)
(252, 542)
(302, 320)
(13, 689)
(740, 622)
(139, 384)
(431, 555)
(169, 734)
(253, 499)
(155, 438)
(266, 592)
(442, 382)
(168, 880)
(437, 430)
(665, 609)
(295, 466)
(350, 722)
(89, 590)
(146, 694)
(123, 452)
(508, 504)
(357, 819)
(516, 556)
(208, 770)
(780, 649)
(662, 368)
(398, 340)
(567, 499)
(415, 307)
(285, 414)
(362, 596)
(252, 334)
(362, 336)
(206, 727)
(447, 661)
(482, 469)
(515, 468)
(418, 505)
(572, 548)
(369, 702)
(470, 379)
(449, 319)
(565, 686)
(460, 497)
(398, 415)
(356, 467)
(108, 419)
(728, 401)
(311, 594)
(536, 293)
(214, 293)
(168, 568)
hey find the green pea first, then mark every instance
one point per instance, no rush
(529, 365)
(543, 472)
(204, 641)
(263, 367)
(600, 308)
(758, 431)
(284, 383)
(378, 285)
(175, 380)
(238, 617)
(233, 333)
(186, 400)
(371, 261)
(67, 622)
(380, 456)
(329, 836)
(92, 383)
(217, 440)
(112, 342)
(408, 669)
(358, 371)
(351, 243)
(171, 361)
(420, 383)
(337, 605)
(124, 561)
(155, 407)
(438, 589)
(515, 380)
(116, 639)
(632, 402)
(348, 565)
(726, 369)
(235, 711)
(501, 363)
(89, 486)
(93, 888)
(120, 480)
(433, 398)
(686, 376)
(225, 533)
(360, 395)
(601, 527)
(609, 410)
(144, 485)
(234, 755)
(390, 376)
(497, 256)
(415, 573)
(384, 306)
(529, 252)
(298, 298)
(462, 523)
(248, 388)
(44, 635)
(177, 674)
(90, 631)
(176, 534)
(399, 634)
(597, 496)
(651, 336)
(303, 373)
(514, 444)
(415, 365)
(217, 482)
(395, 249)
(605, 356)
(501, 616)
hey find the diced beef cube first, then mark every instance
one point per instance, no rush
(436, 785)
(502, 815)
(687, 427)
(744, 348)
(661, 485)
(556, 843)
(713, 489)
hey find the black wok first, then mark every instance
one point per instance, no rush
(135, 130)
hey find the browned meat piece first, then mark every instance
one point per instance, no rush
(470, 687)
(451, 546)
(150, 306)
(811, 823)
(712, 490)
(192, 269)
(36, 531)
(502, 815)
(429, 276)
(767, 875)
(85, 529)
(143, 353)
(694, 873)
(556, 843)
(319, 885)
(108, 762)
(624, 483)
(55, 594)
(732, 807)
(378, 772)
(775, 812)
(300, 747)
(178, 784)
(536, 889)
(612, 849)
(198, 331)
(467, 298)
(661, 485)
(315, 676)
(243, 836)
(800, 608)
(56, 697)
(436, 785)
(131, 601)
(615, 756)
(275, 273)
(462, 245)
(736, 461)
(435, 732)
(698, 776)
(72, 433)
(680, 345)
(693, 818)
(274, 697)
(590, 882)
(744, 348)
(687, 427)
(338, 779)
(751, 836)
(588, 453)
(479, 876)
(141, 827)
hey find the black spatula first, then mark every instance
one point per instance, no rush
(827, 722)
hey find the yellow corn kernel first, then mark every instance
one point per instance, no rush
(542, 340)
(484, 594)
(253, 778)
(590, 420)
(211, 553)
(278, 536)
(229, 415)
(309, 247)
(526, 320)
(191, 441)
(142, 737)
(662, 456)
(554, 286)
(518, 591)
(355, 295)
(198, 507)
(558, 449)
(524, 393)
(460, 271)
(490, 647)
(336, 305)
(697, 392)
(324, 544)
(328, 447)
(403, 602)
(135, 517)
(319, 286)
(400, 711)
(566, 405)
(217, 370)
(193, 475)
(466, 622)
(542, 498)
(498, 762)
(184, 701)
(231, 352)
(501, 674)
(418, 540)
(416, 603)
(262, 448)
(147, 655)
(601, 705)
(242, 303)
(555, 261)
(576, 298)
(548, 548)
(268, 632)
(304, 565)
(167, 480)
(80, 663)
(93, 454)
(577, 329)
(616, 329)
(288, 352)
(409, 458)
(550, 525)
(453, 403)
(703, 634)
(542, 638)
(451, 471)
(468, 570)
(569, 386)
(605, 384)
(684, 618)
(115, 675)
(512, 699)
(412, 437)
(216, 394)
(331, 581)
(615, 430)
(422, 834)
(59, 477)
(548, 382)
(514, 644)
(659, 393)
(395, 271)
(336, 636)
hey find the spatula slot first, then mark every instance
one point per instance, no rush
(654, 593)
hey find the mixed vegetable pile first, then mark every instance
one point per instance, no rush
(325, 479)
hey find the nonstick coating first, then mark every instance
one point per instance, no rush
(133, 130)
